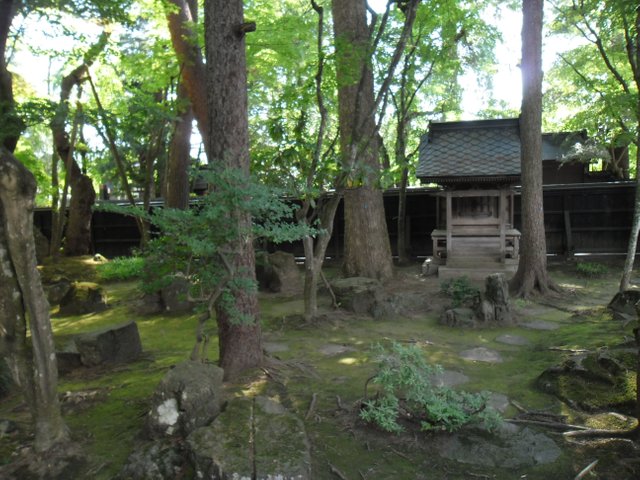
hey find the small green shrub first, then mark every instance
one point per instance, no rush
(407, 391)
(591, 269)
(460, 290)
(121, 268)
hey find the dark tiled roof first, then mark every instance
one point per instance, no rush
(482, 150)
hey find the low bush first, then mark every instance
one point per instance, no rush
(121, 268)
(407, 394)
(460, 290)
(591, 269)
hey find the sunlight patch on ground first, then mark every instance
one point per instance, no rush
(572, 286)
(349, 361)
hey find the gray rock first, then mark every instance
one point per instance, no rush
(175, 295)
(57, 289)
(279, 450)
(275, 347)
(159, 460)
(149, 304)
(481, 354)
(498, 402)
(430, 267)
(42, 245)
(331, 349)
(625, 302)
(68, 361)
(513, 340)
(82, 298)
(508, 448)
(448, 378)
(117, 344)
(363, 296)
(278, 272)
(541, 325)
(458, 317)
(188, 397)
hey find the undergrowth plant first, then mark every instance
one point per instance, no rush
(591, 269)
(407, 392)
(460, 289)
(121, 268)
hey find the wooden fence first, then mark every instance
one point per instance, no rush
(579, 218)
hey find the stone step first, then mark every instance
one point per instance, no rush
(479, 273)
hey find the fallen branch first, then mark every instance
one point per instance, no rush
(312, 406)
(586, 470)
(548, 424)
(337, 472)
(598, 433)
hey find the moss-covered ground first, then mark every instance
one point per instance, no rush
(108, 418)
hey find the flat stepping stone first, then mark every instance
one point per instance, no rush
(498, 402)
(448, 378)
(481, 354)
(516, 340)
(275, 347)
(335, 349)
(541, 325)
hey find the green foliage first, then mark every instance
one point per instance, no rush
(202, 243)
(121, 268)
(407, 390)
(591, 269)
(460, 290)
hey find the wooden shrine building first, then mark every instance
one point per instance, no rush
(476, 164)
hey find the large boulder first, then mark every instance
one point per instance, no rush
(188, 397)
(278, 272)
(596, 381)
(82, 298)
(623, 304)
(491, 308)
(254, 438)
(158, 460)
(117, 344)
(56, 289)
(363, 296)
(175, 296)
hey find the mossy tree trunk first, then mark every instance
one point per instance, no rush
(239, 331)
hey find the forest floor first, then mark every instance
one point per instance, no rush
(332, 359)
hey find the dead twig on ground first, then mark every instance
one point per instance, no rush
(312, 406)
(337, 472)
(586, 470)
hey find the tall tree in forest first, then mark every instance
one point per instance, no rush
(21, 294)
(531, 276)
(239, 332)
(184, 40)
(599, 82)
(367, 249)
(83, 195)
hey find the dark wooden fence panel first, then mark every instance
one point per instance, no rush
(579, 218)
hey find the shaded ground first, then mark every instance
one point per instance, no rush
(331, 358)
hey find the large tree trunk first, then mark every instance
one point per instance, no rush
(83, 195)
(11, 126)
(185, 43)
(239, 333)
(177, 176)
(367, 248)
(17, 195)
(532, 276)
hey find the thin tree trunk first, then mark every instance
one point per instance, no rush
(240, 338)
(17, 195)
(403, 255)
(635, 229)
(177, 176)
(185, 43)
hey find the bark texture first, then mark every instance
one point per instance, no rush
(177, 176)
(184, 38)
(367, 248)
(17, 194)
(83, 195)
(532, 277)
(240, 338)
(10, 131)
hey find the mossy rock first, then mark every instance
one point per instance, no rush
(83, 298)
(594, 382)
